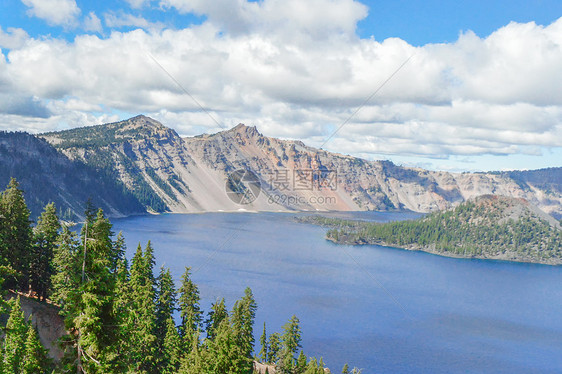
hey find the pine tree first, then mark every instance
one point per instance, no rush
(243, 315)
(345, 369)
(314, 367)
(121, 306)
(190, 312)
(142, 341)
(14, 342)
(96, 316)
(301, 363)
(225, 355)
(263, 343)
(66, 291)
(165, 303)
(45, 236)
(171, 348)
(195, 361)
(217, 314)
(274, 348)
(291, 343)
(35, 360)
(66, 279)
(15, 235)
(118, 254)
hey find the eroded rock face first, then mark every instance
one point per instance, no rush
(189, 175)
(50, 325)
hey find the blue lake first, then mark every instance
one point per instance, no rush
(381, 309)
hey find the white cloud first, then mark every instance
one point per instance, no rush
(313, 18)
(118, 20)
(298, 70)
(138, 4)
(55, 12)
(92, 23)
(14, 38)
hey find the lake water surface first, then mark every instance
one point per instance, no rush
(381, 309)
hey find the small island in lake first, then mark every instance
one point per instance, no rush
(487, 227)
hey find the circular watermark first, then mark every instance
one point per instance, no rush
(242, 186)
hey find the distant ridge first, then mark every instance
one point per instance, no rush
(167, 173)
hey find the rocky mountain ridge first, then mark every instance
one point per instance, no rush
(169, 173)
(48, 176)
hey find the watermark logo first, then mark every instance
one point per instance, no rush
(302, 180)
(242, 186)
(283, 187)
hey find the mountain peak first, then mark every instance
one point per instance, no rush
(249, 131)
(508, 207)
(143, 121)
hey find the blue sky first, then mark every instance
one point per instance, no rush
(438, 21)
(480, 92)
(418, 22)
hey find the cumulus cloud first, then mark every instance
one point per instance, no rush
(12, 39)
(23, 106)
(118, 20)
(92, 23)
(316, 18)
(297, 70)
(55, 12)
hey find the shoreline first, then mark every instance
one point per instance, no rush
(418, 248)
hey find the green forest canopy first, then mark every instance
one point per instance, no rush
(119, 316)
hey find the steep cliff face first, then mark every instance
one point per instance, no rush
(46, 176)
(355, 184)
(168, 173)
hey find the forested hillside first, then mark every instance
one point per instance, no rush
(119, 315)
(47, 175)
(492, 227)
(118, 151)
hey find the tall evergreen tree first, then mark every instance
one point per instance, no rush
(142, 341)
(66, 279)
(263, 343)
(165, 303)
(45, 236)
(15, 234)
(301, 363)
(243, 315)
(14, 342)
(66, 286)
(291, 343)
(190, 312)
(345, 369)
(35, 360)
(226, 355)
(171, 348)
(315, 367)
(118, 254)
(121, 306)
(96, 320)
(274, 348)
(217, 314)
(195, 361)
